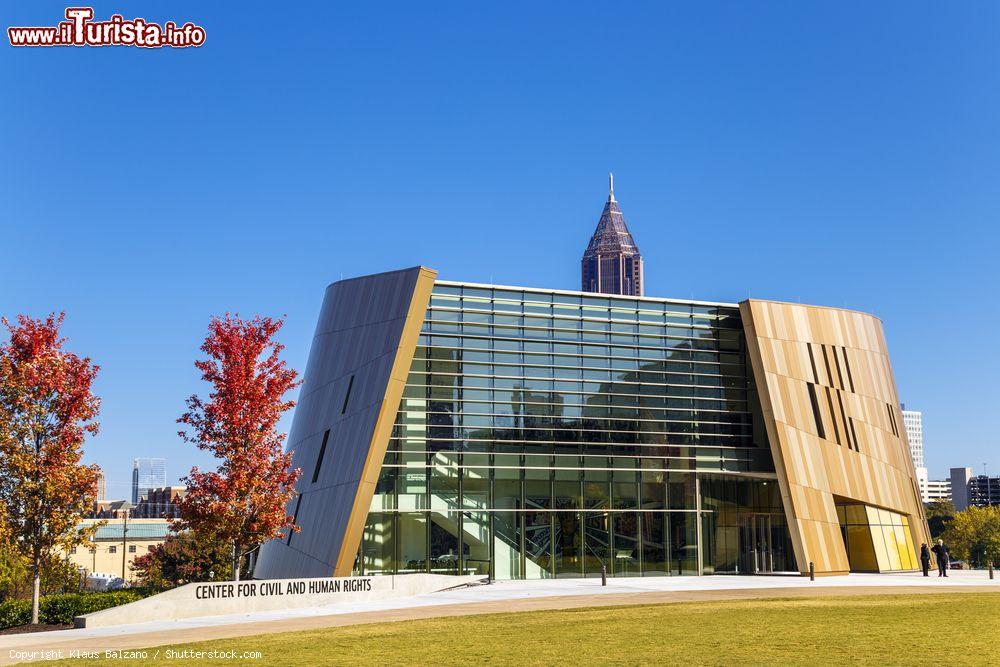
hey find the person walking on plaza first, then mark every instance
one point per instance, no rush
(943, 557)
(925, 559)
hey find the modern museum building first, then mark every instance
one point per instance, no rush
(463, 428)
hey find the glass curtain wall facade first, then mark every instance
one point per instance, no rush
(547, 434)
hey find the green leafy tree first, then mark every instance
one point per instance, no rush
(184, 557)
(974, 535)
(939, 514)
(14, 571)
(58, 575)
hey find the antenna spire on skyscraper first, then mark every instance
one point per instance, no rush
(611, 263)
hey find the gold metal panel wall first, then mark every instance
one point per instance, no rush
(833, 420)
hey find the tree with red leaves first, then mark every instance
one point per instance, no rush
(243, 502)
(183, 557)
(46, 410)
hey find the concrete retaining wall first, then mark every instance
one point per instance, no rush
(227, 597)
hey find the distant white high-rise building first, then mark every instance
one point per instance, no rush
(930, 489)
(147, 474)
(914, 423)
(102, 486)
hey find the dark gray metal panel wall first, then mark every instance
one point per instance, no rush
(359, 330)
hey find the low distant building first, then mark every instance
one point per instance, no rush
(932, 490)
(984, 491)
(110, 509)
(935, 490)
(968, 490)
(160, 503)
(117, 544)
(922, 480)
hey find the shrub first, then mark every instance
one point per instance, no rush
(97, 601)
(60, 609)
(14, 612)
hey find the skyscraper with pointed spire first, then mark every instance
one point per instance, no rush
(611, 263)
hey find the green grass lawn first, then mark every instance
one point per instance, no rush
(888, 630)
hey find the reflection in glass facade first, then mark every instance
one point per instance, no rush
(547, 434)
(877, 540)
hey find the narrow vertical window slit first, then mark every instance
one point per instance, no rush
(347, 396)
(319, 459)
(826, 360)
(816, 413)
(892, 420)
(295, 518)
(854, 434)
(850, 377)
(843, 413)
(836, 362)
(833, 416)
(812, 362)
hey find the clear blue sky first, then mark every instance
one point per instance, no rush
(758, 148)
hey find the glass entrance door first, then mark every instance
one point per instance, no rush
(756, 547)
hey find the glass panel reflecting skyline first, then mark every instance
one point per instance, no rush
(546, 434)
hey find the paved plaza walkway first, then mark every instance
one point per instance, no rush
(504, 596)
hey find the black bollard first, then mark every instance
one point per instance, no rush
(812, 571)
(604, 576)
